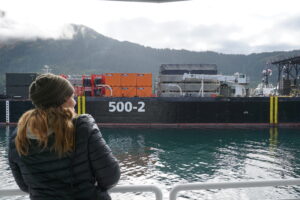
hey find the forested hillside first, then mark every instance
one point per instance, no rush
(90, 52)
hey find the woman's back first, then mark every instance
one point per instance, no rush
(72, 176)
(56, 156)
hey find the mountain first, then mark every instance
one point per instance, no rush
(90, 52)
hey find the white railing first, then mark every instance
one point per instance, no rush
(118, 189)
(108, 86)
(181, 187)
(139, 188)
(227, 185)
(11, 192)
(176, 85)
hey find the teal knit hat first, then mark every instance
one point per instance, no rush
(49, 90)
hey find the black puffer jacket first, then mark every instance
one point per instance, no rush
(44, 175)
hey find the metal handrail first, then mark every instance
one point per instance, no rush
(118, 189)
(11, 192)
(176, 85)
(226, 185)
(138, 188)
(108, 86)
(181, 187)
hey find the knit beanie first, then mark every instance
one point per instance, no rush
(49, 90)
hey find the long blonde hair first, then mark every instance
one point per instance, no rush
(39, 121)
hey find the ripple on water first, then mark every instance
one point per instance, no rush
(168, 157)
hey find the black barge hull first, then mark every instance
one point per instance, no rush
(177, 112)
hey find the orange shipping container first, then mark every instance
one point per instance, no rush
(112, 79)
(128, 79)
(144, 80)
(116, 92)
(144, 91)
(128, 91)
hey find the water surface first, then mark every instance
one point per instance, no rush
(165, 157)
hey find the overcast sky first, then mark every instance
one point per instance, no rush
(226, 26)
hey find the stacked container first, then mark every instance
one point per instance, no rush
(144, 85)
(87, 85)
(113, 80)
(17, 84)
(172, 84)
(97, 85)
(128, 84)
(112, 84)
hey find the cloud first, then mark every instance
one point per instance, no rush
(234, 47)
(172, 34)
(276, 47)
(281, 35)
(12, 31)
(178, 35)
(208, 25)
(2, 14)
(292, 23)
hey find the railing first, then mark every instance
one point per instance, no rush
(11, 192)
(176, 85)
(119, 189)
(138, 188)
(181, 187)
(227, 185)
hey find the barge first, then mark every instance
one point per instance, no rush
(216, 101)
(176, 112)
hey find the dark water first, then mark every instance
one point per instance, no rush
(165, 157)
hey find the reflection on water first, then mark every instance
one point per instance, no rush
(132, 152)
(273, 138)
(168, 156)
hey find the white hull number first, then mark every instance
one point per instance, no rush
(125, 106)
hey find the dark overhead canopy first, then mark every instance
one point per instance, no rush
(293, 60)
(152, 1)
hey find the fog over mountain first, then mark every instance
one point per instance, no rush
(82, 50)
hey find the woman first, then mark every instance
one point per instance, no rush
(55, 154)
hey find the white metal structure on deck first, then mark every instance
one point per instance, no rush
(237, 81)
(177, 86)
(182, 187)
(236, 78)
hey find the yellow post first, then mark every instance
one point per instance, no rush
(276, 111)
(83, 105)
(271, 110)
(273, 138)
(79, 105)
